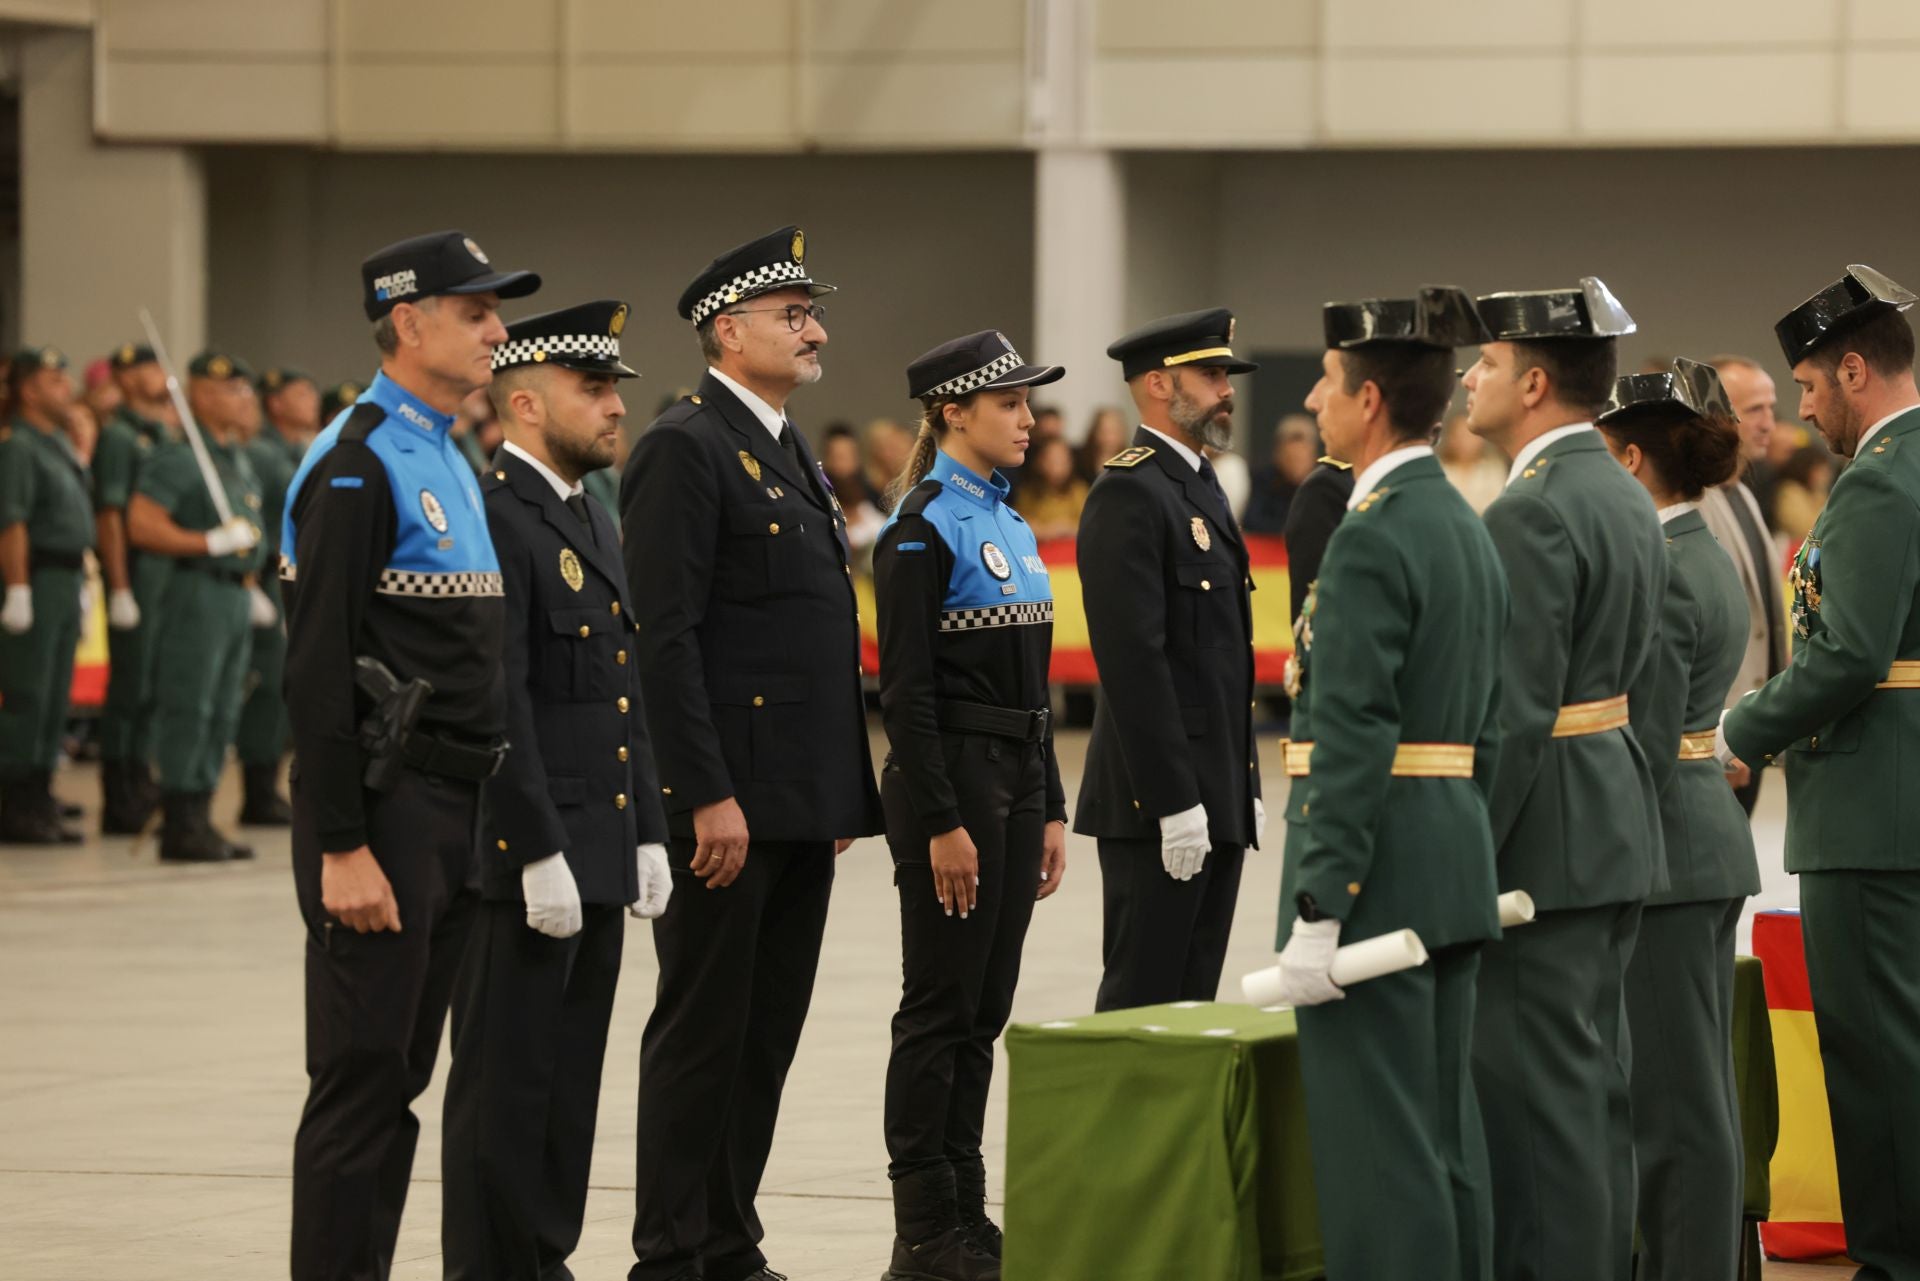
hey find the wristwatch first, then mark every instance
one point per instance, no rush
(1309, 910)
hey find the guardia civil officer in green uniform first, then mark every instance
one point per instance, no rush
(134, 583)
(46, 529)
(1172, 784)
(1399, 674)
(336, 398)
(1574, 804)
(203, 628)
(1674, 432)
(976, 816)
(1846, 716)
(274, 447)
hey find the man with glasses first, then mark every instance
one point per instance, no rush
(748, 644)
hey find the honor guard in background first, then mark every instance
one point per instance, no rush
(261, 737)
(976, 816)
(134, 583)
(46, 529)
(749, 652)
(1172, 786)
(1393, 752)
(291, 404)
(336, 398)
(1675, 433)
(398, 704)
(1844, 714)
(571, 830)
(1574, 803)
(203, 625)
(1317, 508)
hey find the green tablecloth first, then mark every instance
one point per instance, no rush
(1171, 1142)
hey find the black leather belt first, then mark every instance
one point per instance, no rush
(39, 559)
(219, 573)
(1003, 722)
(432, 754)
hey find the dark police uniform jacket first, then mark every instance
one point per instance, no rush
(384, 552)
(581, 775)
(749, 635)
(1163, 571)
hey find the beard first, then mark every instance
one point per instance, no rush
(808, 371)
(577, 457)
(1841, 427)
(1212, 426)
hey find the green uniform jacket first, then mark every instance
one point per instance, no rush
(126, 441)
(1576, 820)
(172, 479)
(273, 467)
(44, 483)
(1845, 741)
(1400, 643)
(1703, 637)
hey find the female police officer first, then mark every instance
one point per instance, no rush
(1675, 432)
(976, 816)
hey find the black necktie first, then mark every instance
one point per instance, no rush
(577, 504)
(789, 441)
(1212, 479)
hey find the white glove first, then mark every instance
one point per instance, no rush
(260, 610)
(1184, 842)
(1259, 821)
(1307, 961)
(656, 883)
(237, 535)
(123, 611)
(86, 602)
(553, 900)
(17, 614)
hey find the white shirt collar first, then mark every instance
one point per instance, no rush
(560, 487)
(1527, 456)
(770, 418)
(1673, 511)
(1380, 468)
(1193, 459)
(1874, 430)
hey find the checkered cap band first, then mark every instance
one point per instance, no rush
(401, 582)
(1025, 614)
(521, 350)
(758, 281)
(978, 378)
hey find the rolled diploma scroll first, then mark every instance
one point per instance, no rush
(1354, 963)
(1378, 956)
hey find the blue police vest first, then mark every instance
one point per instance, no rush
(442, 546)
(998, 576)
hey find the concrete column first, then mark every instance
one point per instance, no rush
(104, 230)
(1079, 275)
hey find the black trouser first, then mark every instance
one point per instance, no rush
(530, 1017)
(958, 974)
(736, 974)
(1164, 940)
(375, 1007)
(1686, 1109)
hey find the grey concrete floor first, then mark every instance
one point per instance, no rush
(151, 1071)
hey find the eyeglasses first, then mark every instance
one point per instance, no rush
(797, 314)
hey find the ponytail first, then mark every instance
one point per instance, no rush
(926, 442)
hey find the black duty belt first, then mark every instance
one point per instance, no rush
(218, 573)
(37, 558)
(432, 754)
(1003, 722)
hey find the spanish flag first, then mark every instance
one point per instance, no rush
(1805, 1220)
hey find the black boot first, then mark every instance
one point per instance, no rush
(235, 850)
(264, 806)
(24, 819)
(970, 1190)
(928, 1242)
(57, 810)
(146, 788)
(124, 806)
(185, 835)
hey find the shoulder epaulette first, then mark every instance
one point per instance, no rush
(915, 503)
(1880, 446)
(1379, 495)
(1131, 457)
(1335, 463)
(360, 423)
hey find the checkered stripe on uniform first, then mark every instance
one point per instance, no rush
(1024, 614)
(522, 350)
(757, 281)
(978, 378)
(406, 582)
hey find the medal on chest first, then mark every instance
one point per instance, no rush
(1296, 670)
(1805, 581)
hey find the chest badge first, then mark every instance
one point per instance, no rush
(436, 514)
(1805, 581)
(752, 465)
(1202, 536)
(570, 569)
(996, 562)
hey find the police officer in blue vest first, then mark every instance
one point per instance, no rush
(395, 694)
(976, 817)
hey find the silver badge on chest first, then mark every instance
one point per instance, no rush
(996, 562)
(436, 514)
